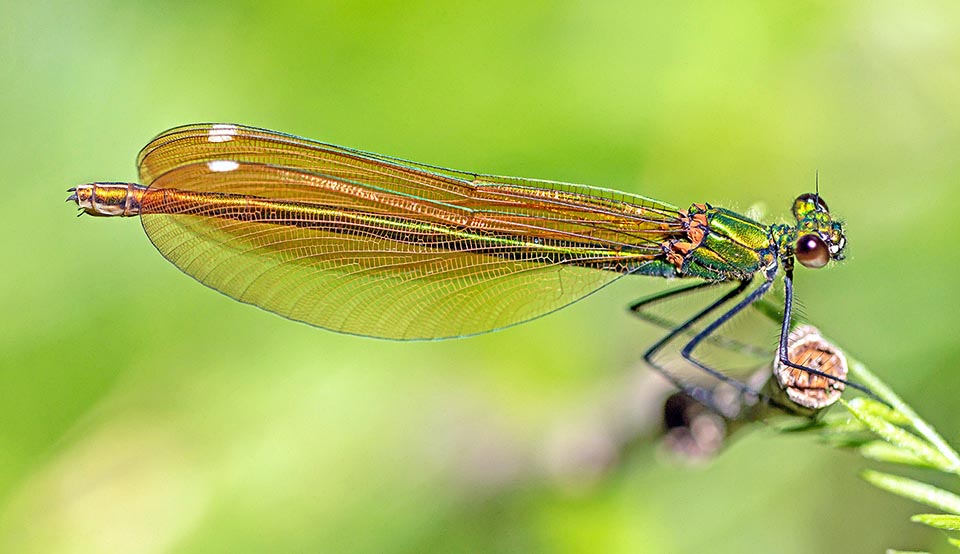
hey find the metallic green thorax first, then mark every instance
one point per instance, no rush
(732, 247)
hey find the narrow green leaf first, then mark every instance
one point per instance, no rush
(885, 452)
(899, 437)
(880, 388)
(946, 522)
(881, 410)
(915, 490)
(954, 542)
(891, 551)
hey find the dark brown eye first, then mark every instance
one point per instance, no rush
(812, 252)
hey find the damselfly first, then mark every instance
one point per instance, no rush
(372, 245)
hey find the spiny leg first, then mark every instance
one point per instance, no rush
(729, 344)
(700, 394)
(785, 334)
(704, 334)
(782, 349)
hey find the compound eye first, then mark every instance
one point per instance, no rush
(812, 252)
(814, 199)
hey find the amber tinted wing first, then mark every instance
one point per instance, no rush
(372, 245)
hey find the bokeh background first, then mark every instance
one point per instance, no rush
(142, 412)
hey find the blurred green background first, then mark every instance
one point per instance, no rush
(142, 412)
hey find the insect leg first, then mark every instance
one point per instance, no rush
(701, 394)
(641, 309)
(784, 335)
(704, 334)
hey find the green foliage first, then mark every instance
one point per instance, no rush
(904, 439)
(947, 522)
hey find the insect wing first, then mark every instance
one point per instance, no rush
(372, 245)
